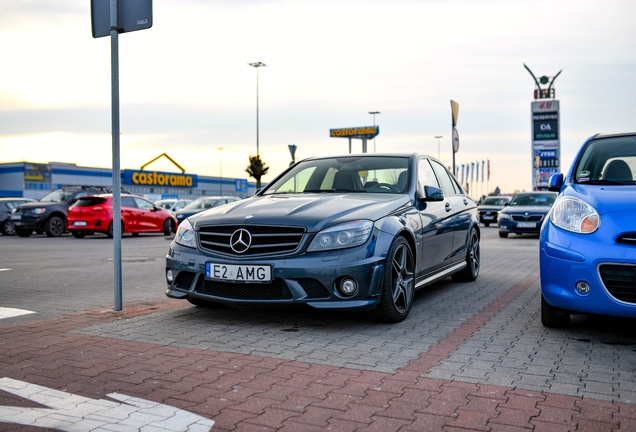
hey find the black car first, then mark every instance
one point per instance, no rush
(6, 206)
(355, 232)
(49, 214)
(490, 207)
(203, 203)
(525, 213)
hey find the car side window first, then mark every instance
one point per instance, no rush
(128, 202)
(425, 174)
(445, 181)
(143, 204)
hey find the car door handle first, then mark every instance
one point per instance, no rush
(448, 207)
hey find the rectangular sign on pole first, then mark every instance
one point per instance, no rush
(131, 15)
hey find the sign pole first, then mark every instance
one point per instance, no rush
(114, 60)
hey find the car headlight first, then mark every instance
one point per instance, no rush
(572, 214)
(342, 236)
(503, 215)
(185, 235)
(39, 210)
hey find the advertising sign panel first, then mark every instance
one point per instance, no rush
(545, 142)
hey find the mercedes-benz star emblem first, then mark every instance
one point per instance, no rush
(241, 240)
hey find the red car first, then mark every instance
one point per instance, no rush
(94, 214)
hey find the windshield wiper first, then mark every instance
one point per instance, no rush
(603, 181)
(331, 190)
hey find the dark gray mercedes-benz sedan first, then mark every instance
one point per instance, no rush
(356, 232)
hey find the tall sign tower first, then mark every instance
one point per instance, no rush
(546, 136)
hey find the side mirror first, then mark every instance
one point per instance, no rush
(431, 193)
(555, 182)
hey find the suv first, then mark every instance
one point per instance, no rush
(49, 214)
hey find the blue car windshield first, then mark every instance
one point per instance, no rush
(354, 174)
(607, 160)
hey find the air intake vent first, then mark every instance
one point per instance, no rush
(620, 281)
(627, 238)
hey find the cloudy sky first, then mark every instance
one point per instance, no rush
(186, 88)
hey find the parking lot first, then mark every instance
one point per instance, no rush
(470, 356)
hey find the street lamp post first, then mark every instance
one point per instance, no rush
(220, 149)
(438, 138)
(373, 113)
(257, 65)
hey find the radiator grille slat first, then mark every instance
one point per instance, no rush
(265, 240)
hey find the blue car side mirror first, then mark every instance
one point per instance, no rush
(555, 182)
(432, 193)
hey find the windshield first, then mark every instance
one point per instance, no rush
(165, 204)
(359, 174)
(609, 160)
(546, 199)
(201, 203)
(57, 196)
(495, 201)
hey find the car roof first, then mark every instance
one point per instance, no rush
(623, 134)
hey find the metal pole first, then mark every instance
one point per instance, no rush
(374, 113)
(220, 149)
(257, 65)
(114, 49)
(438, 153)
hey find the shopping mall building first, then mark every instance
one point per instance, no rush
(34, 180)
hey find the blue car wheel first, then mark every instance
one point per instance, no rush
(398, 288)
(553, 316)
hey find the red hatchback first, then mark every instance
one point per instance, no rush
(94, 214)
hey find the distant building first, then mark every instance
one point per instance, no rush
(34, 180)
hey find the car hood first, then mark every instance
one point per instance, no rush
(524, 209)
(489, 207)
(39, 204)
(313, 211)
(605, 199)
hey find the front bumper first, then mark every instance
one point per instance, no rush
(29, 222)
(607, 267)
(509, 226)
(311, 279)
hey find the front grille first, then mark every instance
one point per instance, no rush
(265, 240)
(627, 238)
(530, 218)
(184, 280)
(620, 281)
(277, 290)
(314, 288)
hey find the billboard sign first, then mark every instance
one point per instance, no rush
(154, 178)
(131, 15)
(545, 142)
(367, 132)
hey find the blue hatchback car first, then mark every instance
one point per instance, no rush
(588, 243)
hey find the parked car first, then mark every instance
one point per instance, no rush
(94, 214)
(490, 207)
(173, 204)
(525, 213)
(203, 203)
(49, 214)
(6, 207)
(356, 232)
(588, 244)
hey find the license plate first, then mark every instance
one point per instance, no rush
(16, 217)
(79, 223)
(526, 225)
(238, 273)
(489, 217)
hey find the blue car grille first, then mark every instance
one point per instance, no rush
(277, 290)
(530, 218)
(627, 238)
(265, 240)
(620, 281)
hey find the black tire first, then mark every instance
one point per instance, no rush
(168, 227)
(398, 284)
(473, 260)
(54, 226)
(78, 234)
(486, 224)
(110, 230)
(7, 228)
(503, 234)
(23, 232)
(553, 317)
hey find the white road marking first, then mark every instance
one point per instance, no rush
(69, 412)
(6, 269)
(10, 312)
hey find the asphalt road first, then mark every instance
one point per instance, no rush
(468, 336)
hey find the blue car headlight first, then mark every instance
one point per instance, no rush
(504, 215)
(185, 235)
(342, 236)
(574, 215)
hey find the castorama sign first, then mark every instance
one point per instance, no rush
(154, 178)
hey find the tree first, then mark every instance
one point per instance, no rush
(256, 169)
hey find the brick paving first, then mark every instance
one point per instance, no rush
(470, 357)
